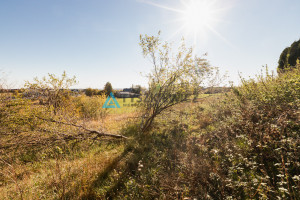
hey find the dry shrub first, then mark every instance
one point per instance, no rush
(91, 107)
(254, 152)
(247, 147)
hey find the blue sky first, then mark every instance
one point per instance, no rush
(97, 40)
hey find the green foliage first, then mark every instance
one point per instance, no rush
(91, 92)
(246, 147)
(91, 107)
(258, 137)
(289, 56)
(137, 89)
(174, 78)
(52, 89)
(16, 115)
(243, 146)
(108, 88)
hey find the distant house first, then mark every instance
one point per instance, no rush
(128, 90)
(124, 94)
(74, 90)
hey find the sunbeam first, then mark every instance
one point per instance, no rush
(196, 18)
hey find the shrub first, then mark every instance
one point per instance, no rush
(53, 89)
(246, 147)
(91, 107)
(174, 80)
(255, 149)
(91, 92)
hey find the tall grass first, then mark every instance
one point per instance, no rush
(245, 146)
(91, 107)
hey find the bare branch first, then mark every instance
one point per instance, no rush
(99, 134)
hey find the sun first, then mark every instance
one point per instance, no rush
(197, 19)
(198, 16)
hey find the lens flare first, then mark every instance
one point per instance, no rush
(197, 18)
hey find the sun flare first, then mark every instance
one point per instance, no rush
(198, 16)
(197, 19)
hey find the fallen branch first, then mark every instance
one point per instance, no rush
(20, 140)
(99, 134)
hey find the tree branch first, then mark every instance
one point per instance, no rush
(99, 134)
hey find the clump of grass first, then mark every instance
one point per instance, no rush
(91, 107)
(62, 177)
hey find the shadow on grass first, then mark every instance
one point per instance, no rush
(111, 182)
(110, 187)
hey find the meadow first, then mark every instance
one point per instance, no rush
(198, 131)
(177, 142)
(241, 144)
(127, 105)
(68, 169)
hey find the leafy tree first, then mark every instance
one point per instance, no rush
(289, 56)
(108, 88)
(100, 92)
(174, 79)
(137, 89)
(53, 89)
(89, 92)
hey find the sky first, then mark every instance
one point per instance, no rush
(98, 40)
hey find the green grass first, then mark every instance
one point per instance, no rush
(127, 102)
(127, 105)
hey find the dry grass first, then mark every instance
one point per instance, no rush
(79, 173)
(66, 176)
(55, 178)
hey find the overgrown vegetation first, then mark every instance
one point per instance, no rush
(92, 92)
(91, 107)
(174, 79)
(254, 150)
(242, 143)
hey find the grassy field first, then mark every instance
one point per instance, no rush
(86, 170)
(127, 105)
(128, 102)
(237, 145)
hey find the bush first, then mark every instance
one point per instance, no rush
(91, 92)
(91, 107)
(255, 149)
(246, 147)
(53, 89)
